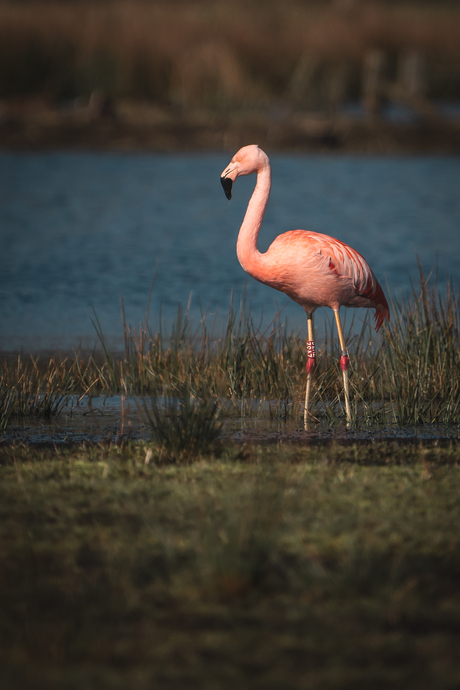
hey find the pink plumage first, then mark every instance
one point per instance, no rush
(313, 269)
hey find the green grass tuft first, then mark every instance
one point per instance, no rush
(183, 424)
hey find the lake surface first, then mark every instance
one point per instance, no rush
(80, 231)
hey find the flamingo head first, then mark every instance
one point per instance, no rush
(246, 161)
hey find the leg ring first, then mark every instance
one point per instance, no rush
(344, 360)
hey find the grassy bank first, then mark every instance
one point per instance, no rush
(411, 375)
(268, 567)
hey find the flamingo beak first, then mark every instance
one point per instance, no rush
(227, 184)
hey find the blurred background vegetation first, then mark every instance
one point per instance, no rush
(222, 55)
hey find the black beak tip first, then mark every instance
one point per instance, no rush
(227, 185)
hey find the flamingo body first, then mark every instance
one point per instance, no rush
(314, 270)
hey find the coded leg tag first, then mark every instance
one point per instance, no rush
(311, 355)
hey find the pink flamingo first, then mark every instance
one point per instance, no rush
(314, 270)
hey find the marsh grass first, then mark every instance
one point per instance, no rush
(421, 357)
(7, 403)
(183, 424)
(411, 375)
(304, 565)
(27, 391)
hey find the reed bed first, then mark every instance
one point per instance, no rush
(411, 375)
(218, 55)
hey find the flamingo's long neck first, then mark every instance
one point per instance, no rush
(246, 248)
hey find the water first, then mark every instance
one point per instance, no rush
(78, 231)
(116, 418)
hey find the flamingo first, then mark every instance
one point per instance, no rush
(313, 269)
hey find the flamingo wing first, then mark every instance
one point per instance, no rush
(346, 261)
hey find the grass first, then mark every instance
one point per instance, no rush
(269, 566)
(26, 390)
(409, 376)
(199, 54)
(421, 360)
(185, 424)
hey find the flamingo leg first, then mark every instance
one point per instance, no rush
(311, 361)
(344, 363)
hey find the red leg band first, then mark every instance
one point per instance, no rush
(311, 363)
(344, 361)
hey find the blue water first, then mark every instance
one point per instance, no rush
(78, 231)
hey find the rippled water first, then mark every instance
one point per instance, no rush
(78, 231)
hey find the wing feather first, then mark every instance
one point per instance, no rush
(346, 261)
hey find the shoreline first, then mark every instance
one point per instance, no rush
(146, 128)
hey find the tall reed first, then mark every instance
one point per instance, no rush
(411, 375)
(420, 358)
(25, 391)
